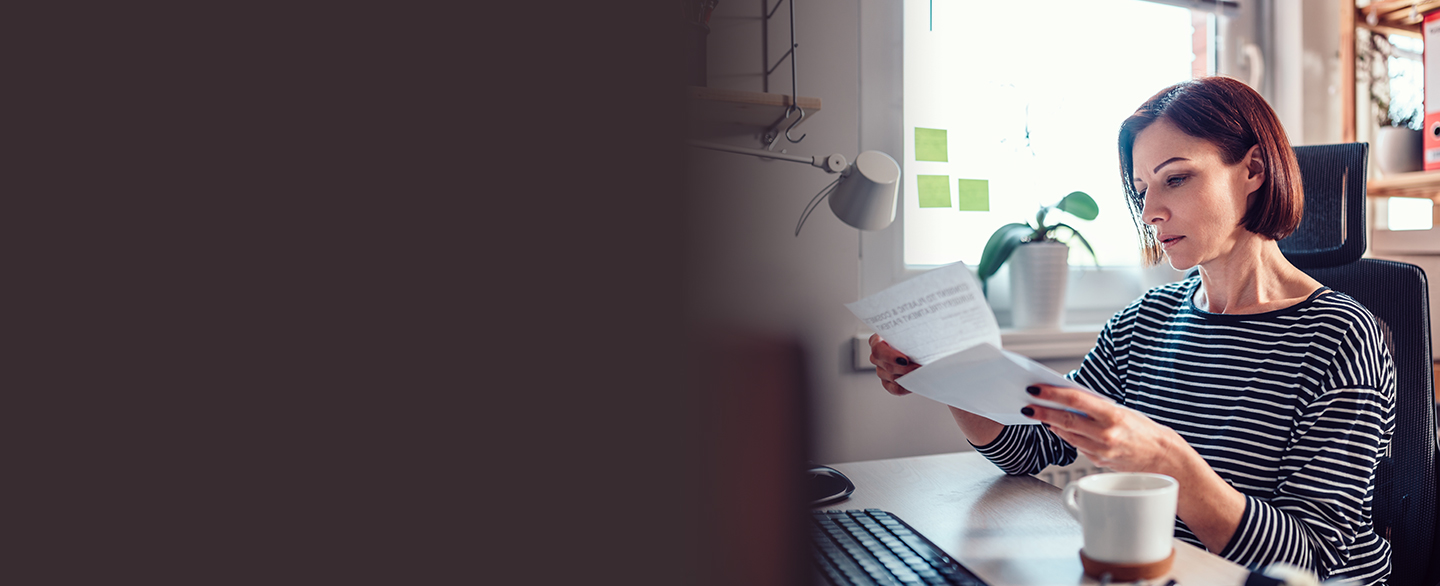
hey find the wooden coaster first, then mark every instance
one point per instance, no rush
(1127, 572)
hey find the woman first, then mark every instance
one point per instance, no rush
(1266, 395)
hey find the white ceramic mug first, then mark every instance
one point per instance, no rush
(1127, 517)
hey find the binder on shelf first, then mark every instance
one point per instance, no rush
(1430, 30)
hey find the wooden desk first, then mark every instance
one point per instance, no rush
(1009, 530)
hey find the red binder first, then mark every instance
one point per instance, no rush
(1431, 31)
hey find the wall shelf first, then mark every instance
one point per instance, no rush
(1420, 184)
(1391, 17)
(720, 112)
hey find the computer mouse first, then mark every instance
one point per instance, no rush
(825, 485)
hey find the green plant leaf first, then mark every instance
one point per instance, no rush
(999, 247)
(1083, 241)
(1080, 205)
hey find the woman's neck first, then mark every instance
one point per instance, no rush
(1255, 278)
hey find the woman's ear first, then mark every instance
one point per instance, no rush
(1255, 169)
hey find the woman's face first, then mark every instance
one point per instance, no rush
(1193, 201)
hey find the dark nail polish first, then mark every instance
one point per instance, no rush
(1026, 411)
(1035, 391)
(902, 362)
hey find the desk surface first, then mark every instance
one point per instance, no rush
(1009, 530)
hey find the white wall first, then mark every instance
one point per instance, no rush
(1299, 48)
(1320, 60)
(755, 273)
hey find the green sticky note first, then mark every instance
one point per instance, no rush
(930, 145)
(973, 195)
(934, 191)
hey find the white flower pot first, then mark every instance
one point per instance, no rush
(1039, 273)
(1399, 150)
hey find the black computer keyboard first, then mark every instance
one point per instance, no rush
(876, 547)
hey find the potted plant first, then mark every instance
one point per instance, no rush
(1398, 142)
(1040, 271)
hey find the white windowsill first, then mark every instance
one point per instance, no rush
(1067, 343)
(1070, 342)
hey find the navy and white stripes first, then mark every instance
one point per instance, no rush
(1291, 407)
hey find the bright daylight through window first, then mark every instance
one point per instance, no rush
(1002, 116)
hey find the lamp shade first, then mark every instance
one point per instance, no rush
(865, 197)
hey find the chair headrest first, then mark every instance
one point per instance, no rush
(1332, 231)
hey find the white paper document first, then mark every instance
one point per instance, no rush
(937, 313)
(940, 319)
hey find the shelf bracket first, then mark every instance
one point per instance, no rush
(782, 60)
(772, 134)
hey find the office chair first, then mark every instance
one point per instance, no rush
(1327, 246)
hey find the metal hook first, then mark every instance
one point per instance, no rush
(795, 123)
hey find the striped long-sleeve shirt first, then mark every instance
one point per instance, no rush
(1292, 408)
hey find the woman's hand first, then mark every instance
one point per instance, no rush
(1113, 436)
(890, 364)
(1124, 440)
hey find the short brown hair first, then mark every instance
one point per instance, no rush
(1233, 117)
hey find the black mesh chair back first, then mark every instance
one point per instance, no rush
(1332, 231)
(1328, 247)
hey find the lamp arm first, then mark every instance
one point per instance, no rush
(831, 164)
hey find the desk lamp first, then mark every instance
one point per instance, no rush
(864, 194)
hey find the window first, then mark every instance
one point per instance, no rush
(1405, 70)
(1061, 56)
(1003, 115)
(1405, 213)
